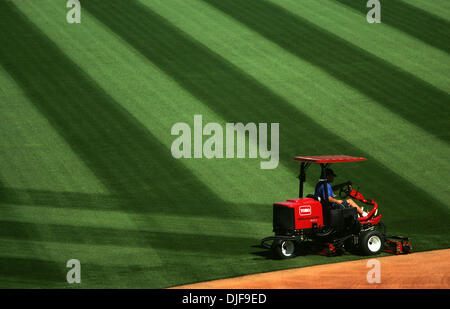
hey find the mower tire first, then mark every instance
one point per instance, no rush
(371, 242)
(284, 249)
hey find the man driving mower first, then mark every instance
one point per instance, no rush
(319, 191)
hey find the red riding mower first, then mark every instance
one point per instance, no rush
(313, 221)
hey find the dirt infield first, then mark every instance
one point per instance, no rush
(424, 270)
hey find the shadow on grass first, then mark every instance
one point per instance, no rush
(27, 270)
(62, 200)
(133, 165)
(32, 271)
(422, 25)
(238, 97)
(105, 202)
(16, 272)
(181, 243)
(404, 94)
(123, 154)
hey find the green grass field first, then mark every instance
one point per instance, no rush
(86, 170)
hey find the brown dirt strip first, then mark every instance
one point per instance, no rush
(424, 270)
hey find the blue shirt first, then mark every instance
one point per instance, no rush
(320, 192)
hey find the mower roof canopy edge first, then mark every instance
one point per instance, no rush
(329, 159)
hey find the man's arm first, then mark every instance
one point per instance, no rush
(333, 200)
(337, 187)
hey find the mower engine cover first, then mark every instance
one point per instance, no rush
(297, 214)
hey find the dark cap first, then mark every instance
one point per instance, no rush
(329, 171)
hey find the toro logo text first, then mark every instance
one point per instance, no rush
(305, 210)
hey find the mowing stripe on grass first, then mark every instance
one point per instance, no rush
(236, 95)
(106, 254)
(20, 269)
(115, 219)
(40, 273)
(353, 116)
(418, 23)
(30, 146)
(153, 98)
(159, 241)
(436, 7)
(123, 155)
(30, 273)
(381, 40)
(195, 252)
(128, 160)
(372, 76)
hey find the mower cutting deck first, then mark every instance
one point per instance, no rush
(313, 221)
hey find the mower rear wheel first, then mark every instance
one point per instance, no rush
(284, 249)
(371, 242)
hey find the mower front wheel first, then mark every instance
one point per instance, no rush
(284, 249)
(371, 242)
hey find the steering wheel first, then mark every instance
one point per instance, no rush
(345, 191)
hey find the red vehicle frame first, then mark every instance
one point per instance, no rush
(305, 219)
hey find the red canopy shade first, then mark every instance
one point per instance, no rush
(329, 159)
